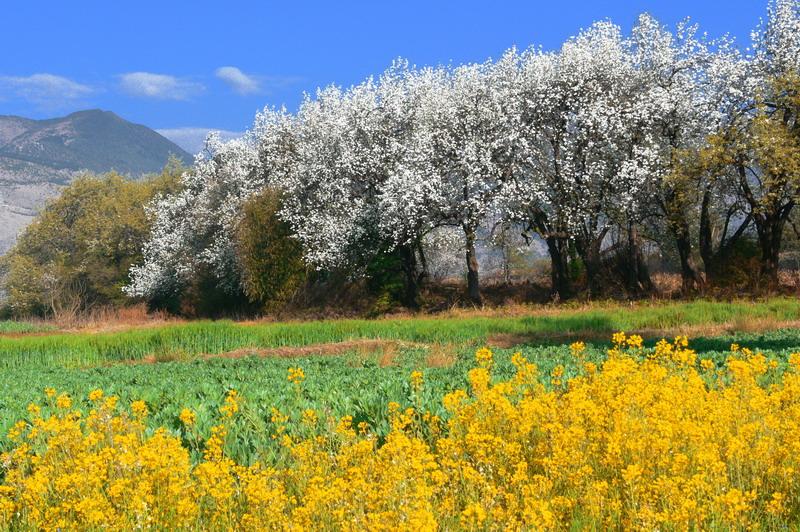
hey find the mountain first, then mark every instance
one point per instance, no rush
(39, 157)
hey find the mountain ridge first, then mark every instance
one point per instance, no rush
(81, 141)
(39, 157)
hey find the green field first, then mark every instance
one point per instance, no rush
(357, 369)
(206, 337)
(23, 327)
(358, 382)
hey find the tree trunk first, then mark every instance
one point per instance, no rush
(770, 218)
(423, 273)
(409, 262)
(690, 278)
(706, 245)
(632, 263)
(589, 251)
(592, 263)
(473, 285)
(561, 284)
(637, 278)
(679, 227)
(770, 235)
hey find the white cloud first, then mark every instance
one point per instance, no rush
(46, 90)
(238, 80)
(160, 86)
(192, 139)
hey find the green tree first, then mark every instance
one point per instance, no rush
(761, 155)
(272, 261)
(77, 252)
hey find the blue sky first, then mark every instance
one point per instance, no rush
(186, 67)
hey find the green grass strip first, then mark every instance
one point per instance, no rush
(213, 337)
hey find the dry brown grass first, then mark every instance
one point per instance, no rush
(790, 279)
(363, 348)
(389, 354)
(667, 285)
(109, 319)
(441, 355)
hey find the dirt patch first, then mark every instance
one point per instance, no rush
(441, 355)
(508, 341)
(389, 354)
(362, 347)
(26, 334)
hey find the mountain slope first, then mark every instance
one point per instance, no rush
(38, 157)
(94, 140)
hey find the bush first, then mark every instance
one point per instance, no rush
(272, 261)
(738, 268)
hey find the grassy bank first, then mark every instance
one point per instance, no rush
(698, 318)
(24, 327)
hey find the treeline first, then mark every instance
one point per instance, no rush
(614, 149)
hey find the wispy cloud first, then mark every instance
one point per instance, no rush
(159, 86)
(192, 139)
(251, 83)
(44, 90)
(238, 80)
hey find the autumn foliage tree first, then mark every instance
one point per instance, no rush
(78, 251)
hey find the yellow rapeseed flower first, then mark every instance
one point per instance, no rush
(556, 375)
(776, 504)
(64, 401)
(618, 338)
(577, 348)
(296, 376)
(96, 395)
(139, 409)
(111, 402)
(484, 356)
(231, 405)
(187, 417)
(634, 341)
(640, 442)
(310, 417)
(416, 380)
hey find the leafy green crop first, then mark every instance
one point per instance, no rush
(351, 384)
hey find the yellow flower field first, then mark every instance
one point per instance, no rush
(649, 439)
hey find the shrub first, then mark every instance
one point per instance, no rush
(272, 261)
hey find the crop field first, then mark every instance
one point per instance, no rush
(273, 425)
(205, 337)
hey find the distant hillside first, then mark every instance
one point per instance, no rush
(38, 157)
